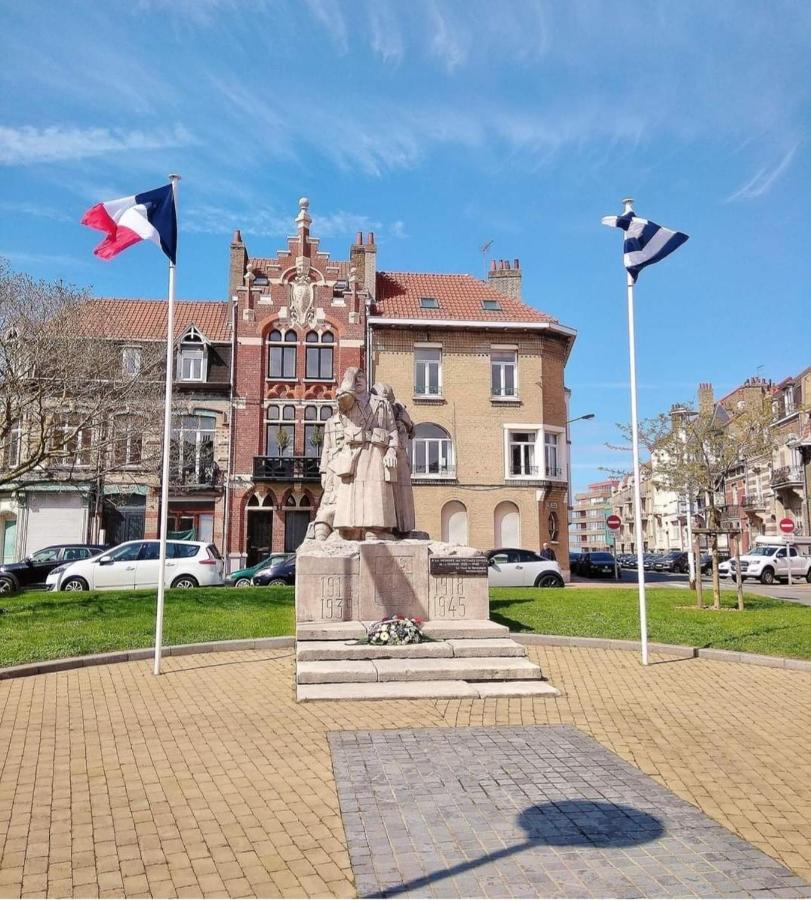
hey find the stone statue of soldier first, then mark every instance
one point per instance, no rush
(403, 490)
(358, 464)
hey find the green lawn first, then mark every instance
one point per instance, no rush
(766, 626)
(42, 625)
(37, 626)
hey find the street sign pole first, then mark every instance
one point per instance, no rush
(787, 527)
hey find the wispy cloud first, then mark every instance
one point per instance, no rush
(43, 259)
(764, 178)
(268, 222)
(329, 14)
(29, 145)
(36, 210)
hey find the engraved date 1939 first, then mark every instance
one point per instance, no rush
(332, 597)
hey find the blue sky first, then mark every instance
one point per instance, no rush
(442, 125)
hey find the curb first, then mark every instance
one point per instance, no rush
(526, 638)
(678, 650)
(120, 656)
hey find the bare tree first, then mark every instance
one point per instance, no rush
(75, 403)
(692, 453)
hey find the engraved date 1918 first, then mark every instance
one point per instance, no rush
(448, 599)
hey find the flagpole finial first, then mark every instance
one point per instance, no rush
(173, 177)
(628, 205)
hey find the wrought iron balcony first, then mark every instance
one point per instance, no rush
(753, 501)
(518, 470)
(285, 468)
(787, 476)
(204, 475)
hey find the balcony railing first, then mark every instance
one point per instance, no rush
(787, 475)
(202, 476)
(433, 473)
(516, 471)
(286, 468)
(753, 501)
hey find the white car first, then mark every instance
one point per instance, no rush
(767, 562)
(135, 564)
(510, 567)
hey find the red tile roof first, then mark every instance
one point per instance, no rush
(460, 297)
(146, 319)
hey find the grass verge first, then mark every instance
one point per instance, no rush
(42, 625)
(39, 626)
(773, 627)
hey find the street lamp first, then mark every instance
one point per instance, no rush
(578, 418)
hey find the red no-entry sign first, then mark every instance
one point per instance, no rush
(787, 526)
(613, 522)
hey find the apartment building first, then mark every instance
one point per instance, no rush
(107, 489)
(588, 531)
(482, 374)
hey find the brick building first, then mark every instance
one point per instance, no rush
(482, 374)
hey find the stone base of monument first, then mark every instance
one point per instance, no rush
(342, 587)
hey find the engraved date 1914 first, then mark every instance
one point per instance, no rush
(332, 597)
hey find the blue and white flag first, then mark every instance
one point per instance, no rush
(645, 241)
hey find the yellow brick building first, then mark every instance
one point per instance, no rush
(482, 376)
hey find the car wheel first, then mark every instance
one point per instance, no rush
(7, 586)
(550, 580)
(767, 576)
(277, 582)
(808, 576)
(242, 582)
(75, 584)
(185, 582)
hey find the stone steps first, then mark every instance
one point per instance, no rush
(424, 690)
(473, 659)
(309, 651)
(371, 670)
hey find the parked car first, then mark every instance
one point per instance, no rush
(512, 567)
(598, 563)
(282, 573)
(33, 571)
(574, 559)
(135, 564)
(242, 577)
(768, 563)
(674, 561)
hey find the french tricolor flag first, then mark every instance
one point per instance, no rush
(149, 216)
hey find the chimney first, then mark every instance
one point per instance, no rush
(506, 278)
(237, 264)
(677, 415)
(706, 401)
(363, 256)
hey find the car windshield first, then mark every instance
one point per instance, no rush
(602, 557)
(762, 551)
(50, 553)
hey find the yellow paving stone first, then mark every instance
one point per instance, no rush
(195, 774)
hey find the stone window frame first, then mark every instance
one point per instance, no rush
(504, 349)
(319, 346)
(428, 346)
(284, 343)
(286, 418)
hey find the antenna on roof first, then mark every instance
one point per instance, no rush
(484, 248)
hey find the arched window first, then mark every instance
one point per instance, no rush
(552, 525)
(281, 430)
(432, 452)
(314, 418)
(319, 355)
(282, 354)
(454, 523)
(507, 525)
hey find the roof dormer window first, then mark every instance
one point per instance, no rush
(193, 356)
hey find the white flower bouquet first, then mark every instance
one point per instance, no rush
(395, 630)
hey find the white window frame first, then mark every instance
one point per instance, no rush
(131, 360)
(125, 430)
(12, 450)
(179, 433)
(426, 364)
(449, 456)
(502, 366)
(539, 446)
(192, 354)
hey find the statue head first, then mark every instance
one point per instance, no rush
(386, 391)
(353, 385)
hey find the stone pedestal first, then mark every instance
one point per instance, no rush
(343, 581)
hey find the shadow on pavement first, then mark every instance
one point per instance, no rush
(569, 823)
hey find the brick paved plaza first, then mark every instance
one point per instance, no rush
(211, 780)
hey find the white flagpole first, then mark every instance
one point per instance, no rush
(640, 541)
(167, 440)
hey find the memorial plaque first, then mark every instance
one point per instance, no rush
(393, 580)
(458, 565)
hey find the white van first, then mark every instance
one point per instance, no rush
(189, 564)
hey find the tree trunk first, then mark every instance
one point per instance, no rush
(738, 579)
(716, 580)
(699, 588)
